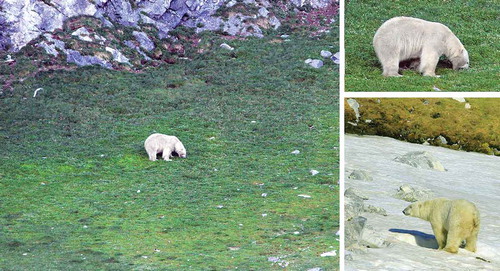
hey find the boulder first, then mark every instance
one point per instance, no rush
(420, 159)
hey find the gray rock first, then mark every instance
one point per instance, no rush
(75, 57)
(359, 174)
(353, 206)
(132, 45)
(326, 54)
(117, 55)
(442, 140)
(352, 193)
(353, 229)
(83, 34)
(375, 210)
(410, 194)
(144, 40)
(263, 12)
(420, 159)
(372, 239)
(355, 106)
(316, 63)
(336, 58)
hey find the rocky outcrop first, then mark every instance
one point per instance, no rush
(24, 20)
(420, 159)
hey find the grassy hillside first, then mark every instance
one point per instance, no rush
(475, 23)
(421, 120)
(77, 191)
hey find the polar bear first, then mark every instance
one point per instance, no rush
(452, 221)
(164, 144)
(403, 38)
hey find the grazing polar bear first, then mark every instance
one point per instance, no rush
(452, 221)
(164, 144)
(403, 38)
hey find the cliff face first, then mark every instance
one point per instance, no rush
(21, 21)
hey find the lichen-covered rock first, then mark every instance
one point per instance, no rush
(411, 194)
(420, 159)
(361, 175)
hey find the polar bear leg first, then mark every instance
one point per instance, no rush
(428, 63)
(152, 154)
(453, 240)
(472, 240)
(167, 153)
(440, 234)
(391, 67)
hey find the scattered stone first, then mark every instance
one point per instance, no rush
(459, 99)
(353, 206)
(420, 159)
(284, 36)
(307, 61)
(316, 63)
(353, 229)
(410, 194)
(326, 54)
(361, 175)
(295, 152)
(314, 172)
(234, 248)
(315, 269)
(442, 140)
(264, 195)
(436, 88)
(304, 196)
(220, 206)
(355, 106)
(467, 106)
(332, 253)
(226, 46)
(336, 58)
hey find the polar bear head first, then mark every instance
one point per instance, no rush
(413, 209)
(180, 150)
(460, 59)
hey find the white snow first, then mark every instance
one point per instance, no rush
(472, 176)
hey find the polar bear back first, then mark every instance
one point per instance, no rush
(158, 142)
(408, 36)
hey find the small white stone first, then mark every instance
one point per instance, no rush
(467, 106)
(332, 253)
(264, 215)
(436, 88)
(145, 257)
(220, 206)
(226, 46)
(314, 172)
(264, 195)
(85, 226)
(307, 61)
(304, 196)
(296, 232)
(253, 121)
(138, 191)
(337, 233)
(25, 254)
(316, 63)
(296, 152)
(326, 54)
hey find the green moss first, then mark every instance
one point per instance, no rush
(79, 193)
(424, 120)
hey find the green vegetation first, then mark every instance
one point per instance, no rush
(424, 120)
(475, 23)
(77, 191)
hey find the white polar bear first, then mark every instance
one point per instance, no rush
(164, 144)
(403, 38)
